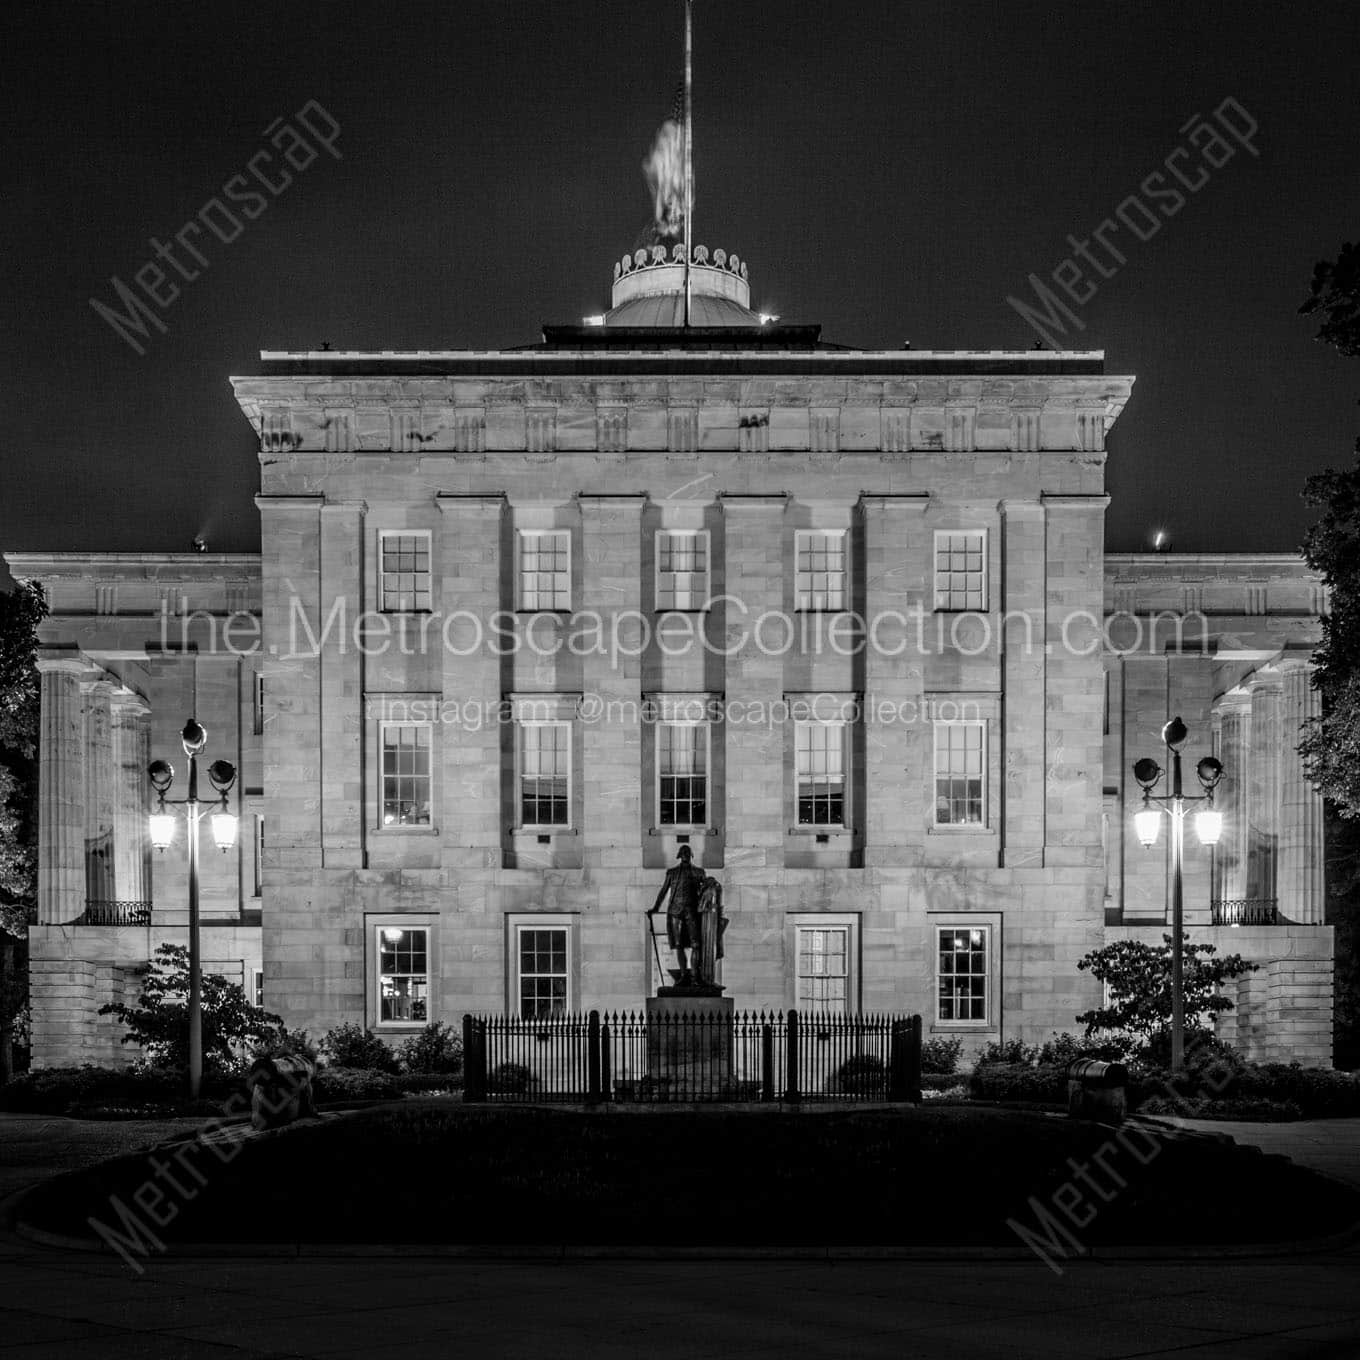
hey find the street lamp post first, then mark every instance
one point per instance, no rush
(222, 774)
(1208, 827)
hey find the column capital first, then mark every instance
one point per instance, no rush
(1015, 506)
(129, 704)
(295, 503)
(353, 507)
(1053, 501)
(62, 661)
(470, 504)
(877, 501)
(735, 501)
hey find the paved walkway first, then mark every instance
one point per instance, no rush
(67, 1305)
(1331, 1146)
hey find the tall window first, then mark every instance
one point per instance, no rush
(682, 569)
(403, 975)
(823, 968)
(545, 774)
(257, 986)
(820, 763)
(960, 774)
(543, 970)
(405, 583)
(682, 774)
(961, 571)
(545, 569)
(821, 581)
(257, 866)
(257, 704)
(962, 973)
(406, 774)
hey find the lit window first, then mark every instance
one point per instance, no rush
(682, 569)
(406, 774)
(820, 755)
(403, 976)
(257, 704)
(543, 972)
(545, 774)
(823, 968)
(960, 774)
(405, 586)
(962, 975)
(545, 570)
(821, 575)
(961, 571)
(682, 772)
(257, 986)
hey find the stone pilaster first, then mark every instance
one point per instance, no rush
(1264, 794)
(131, 842)
(99, 790)
(468, 560)
(341, 680)
(895, 749)
(1231, 858)
(757, 812)
(611, 581)
(1301, 886)
(61, 791)
(1022, 662)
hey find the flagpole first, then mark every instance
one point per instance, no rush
(689, 143)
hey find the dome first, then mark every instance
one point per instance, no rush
(649, 289)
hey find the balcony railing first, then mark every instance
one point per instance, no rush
(1246, 911)
(107, 912)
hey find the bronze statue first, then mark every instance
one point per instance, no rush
(694, 920)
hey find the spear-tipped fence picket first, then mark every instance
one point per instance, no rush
(749, 1056)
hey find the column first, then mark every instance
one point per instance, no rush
(611, 557)
(468, 561)
(1190, 693)
(1022, 686)
(895, 574)
(99, 790)
(1264, 794)
(1300, 879)
(131, 841)
(758, 811)
(61, 791)
(1231, 796)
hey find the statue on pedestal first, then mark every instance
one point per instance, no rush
(694, 922)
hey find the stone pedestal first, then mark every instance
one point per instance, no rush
(689, 1041)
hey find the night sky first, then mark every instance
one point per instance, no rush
(893, 171)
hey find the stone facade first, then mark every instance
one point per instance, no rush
(420, 513)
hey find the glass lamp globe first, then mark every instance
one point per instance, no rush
(1146, 823)
(1208, 826)
(224, 826)
(162, 826)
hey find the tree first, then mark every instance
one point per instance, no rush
(1331, 547)
(159, 1022)
(1137, 976)
(21, 611)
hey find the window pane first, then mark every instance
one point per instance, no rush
(545, 570)
(682, 751)
(820, 764)
(820, 580)
(960, 774)
(823, 968)
(542, 971)
(405, 573)
(403, 981)
(963, 977)
(681, 570)
(406, 788)
(960, 571)
(545, 791)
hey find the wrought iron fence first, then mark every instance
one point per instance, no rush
(108, 912)
(692, 1057)
(1245, 911)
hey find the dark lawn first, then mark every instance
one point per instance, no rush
(438, 1171)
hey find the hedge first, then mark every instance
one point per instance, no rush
(1045, 1084)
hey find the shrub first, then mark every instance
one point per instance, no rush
(1009, 1052)
(1062, 1049)
(1018, 1081)
(940, 1055)
(510, 1079)
(420, 1083)
(861, 1075)
(286, 1043)
(356, 1047)
(436, 1049)
(142, 1091)
(333, 1084)
(943, 1081)
(1206, 1107)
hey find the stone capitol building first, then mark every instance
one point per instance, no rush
(526, 622)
